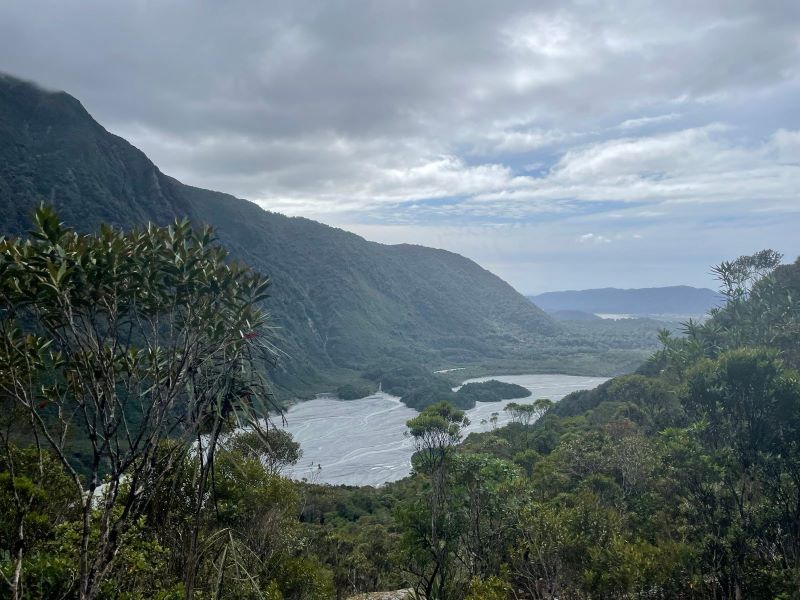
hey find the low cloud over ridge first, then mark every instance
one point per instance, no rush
(527, 125)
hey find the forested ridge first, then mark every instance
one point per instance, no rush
(340, 305)
(339, 302)
(141, 447)
(136, 462)
(679, 481)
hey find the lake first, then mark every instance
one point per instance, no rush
(363, 442)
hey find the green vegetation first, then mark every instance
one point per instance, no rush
(598, 348)
(416, 386)
(124, 355)
(419, 388)
(489, 391)
(525, 414)
(135, 461)
(338, 302)
(354, 391)
(681, 481)
(127, 358)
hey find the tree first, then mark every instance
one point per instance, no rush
(275, 448)
(112, 344)
(34, 501)
(525, 414)
(493, 419)
(746, 406)
(436, 430)
(738, 277)
(520, 413)
(487, 493)
(431, 546)
(541, 406)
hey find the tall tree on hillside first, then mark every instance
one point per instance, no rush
(525, 414)
(737, 277)
(125, 352)
(436, 432)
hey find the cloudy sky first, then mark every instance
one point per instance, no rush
(560, 144)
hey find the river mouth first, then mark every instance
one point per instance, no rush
(364, 442)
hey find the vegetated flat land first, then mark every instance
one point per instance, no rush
(603, 348)
(594, 349)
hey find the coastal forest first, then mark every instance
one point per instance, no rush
(152, 335)
(140, 456)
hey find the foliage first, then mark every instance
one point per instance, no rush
(525, 414)
(115, 342)
(492, 588)
(681, 481)
(489, 391)
(354, 391)
(435, 431)
(419, 388)
(416, 386)
(121, 351)
(340, 303)
(274, 447)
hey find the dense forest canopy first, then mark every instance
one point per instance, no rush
(135, 463)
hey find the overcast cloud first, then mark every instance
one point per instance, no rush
(560, 144)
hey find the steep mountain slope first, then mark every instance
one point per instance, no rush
(674, 300)
(51, 150)
(339, 304)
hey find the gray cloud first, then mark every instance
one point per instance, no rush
(384, 116)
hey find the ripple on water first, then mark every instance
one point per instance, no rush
(363, 442)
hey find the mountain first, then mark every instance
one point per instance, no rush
(339, 303)
(672, 300)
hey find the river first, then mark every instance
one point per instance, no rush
(363, 442)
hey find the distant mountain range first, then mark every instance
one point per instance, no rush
(340, 303)
(673, 300)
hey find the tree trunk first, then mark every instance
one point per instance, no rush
(17, 578)
(206, 464)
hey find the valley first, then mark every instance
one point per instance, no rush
(201, 398)
(339, 305)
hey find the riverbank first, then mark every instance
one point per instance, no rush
(363, 442)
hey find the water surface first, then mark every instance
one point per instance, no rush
(363, 442)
